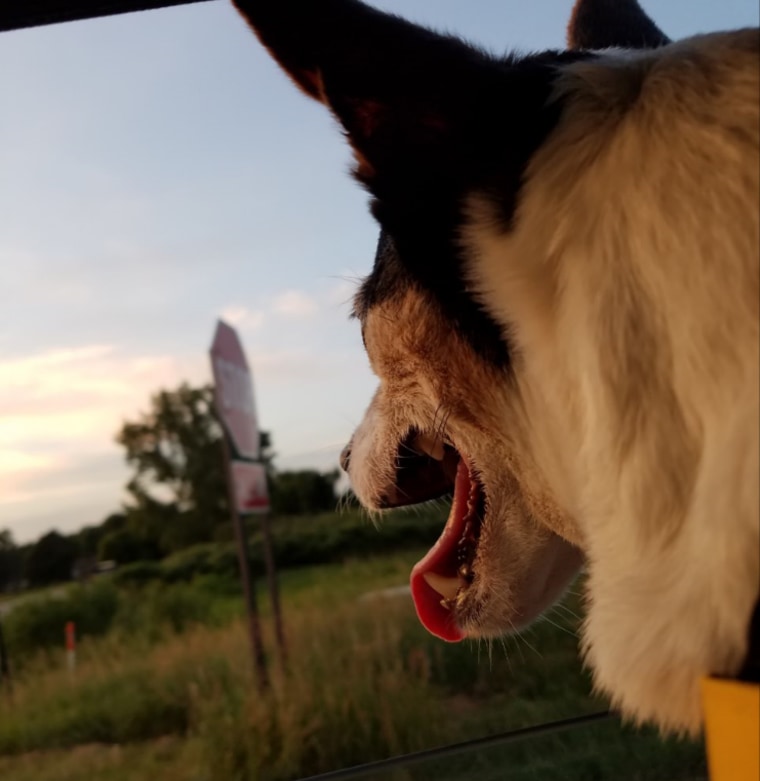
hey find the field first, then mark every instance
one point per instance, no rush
(171, 694)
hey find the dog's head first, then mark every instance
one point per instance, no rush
(437, 125)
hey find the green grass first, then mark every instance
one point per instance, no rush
(364, 682)
(167, 759)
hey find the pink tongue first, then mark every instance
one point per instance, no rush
(441, 560)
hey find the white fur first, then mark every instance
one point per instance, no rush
(630, 285)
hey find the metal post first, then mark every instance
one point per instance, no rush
(249, 589)
(274, 591)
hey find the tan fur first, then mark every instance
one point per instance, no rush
(630, 284)
(433, 381)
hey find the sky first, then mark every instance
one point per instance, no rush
(157, 172)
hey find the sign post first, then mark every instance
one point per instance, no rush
(249, 587)
(246, 476)
(252, 497)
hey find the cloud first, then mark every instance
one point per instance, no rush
(64, 394)
(295, 303)
(19, 469)
(242, 317)
(59, 411)
(42, 480)
(58, 406)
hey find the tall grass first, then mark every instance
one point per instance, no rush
(363, 682)
(349, 694)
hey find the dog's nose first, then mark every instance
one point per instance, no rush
(345, 457)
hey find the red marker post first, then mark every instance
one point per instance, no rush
(71, 645)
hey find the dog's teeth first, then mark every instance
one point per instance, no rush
(431, 446)
(446, 587)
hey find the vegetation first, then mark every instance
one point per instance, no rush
(122, 600)
(364, 682)
(178, 492)
(11, 561)
(177, 495)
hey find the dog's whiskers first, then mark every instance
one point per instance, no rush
(557, 626)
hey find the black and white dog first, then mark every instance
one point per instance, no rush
(563, 316)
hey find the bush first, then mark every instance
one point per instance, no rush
(205, 559)
(138, 573)
(132, 703)
(143, 609)
(39, 623)
(152, 612)
(186, 564)
(332, 537)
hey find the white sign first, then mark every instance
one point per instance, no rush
(250, 482)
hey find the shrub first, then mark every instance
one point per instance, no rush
(138, 573)
(39, 623)
(153, 612)
(186, 564)
(330, 537)
(205, 559)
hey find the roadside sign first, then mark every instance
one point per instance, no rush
(233, 390)
(250, 481)
(246, 483)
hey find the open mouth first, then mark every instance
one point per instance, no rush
(428, 468)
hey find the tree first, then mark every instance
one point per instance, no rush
(50, 559)
(303, 493)
(178, 493)
(123, 546)
(11, 561)
(88, 537)
(175, 449)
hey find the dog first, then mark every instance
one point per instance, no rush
(563, 317)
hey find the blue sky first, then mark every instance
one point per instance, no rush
(158, 171)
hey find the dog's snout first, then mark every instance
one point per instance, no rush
(345, 457)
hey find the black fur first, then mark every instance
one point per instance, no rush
(600, 24)
(432, 120)
(750, 670)
(497, 130)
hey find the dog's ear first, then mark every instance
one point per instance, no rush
(600, 24)
(400, 91)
